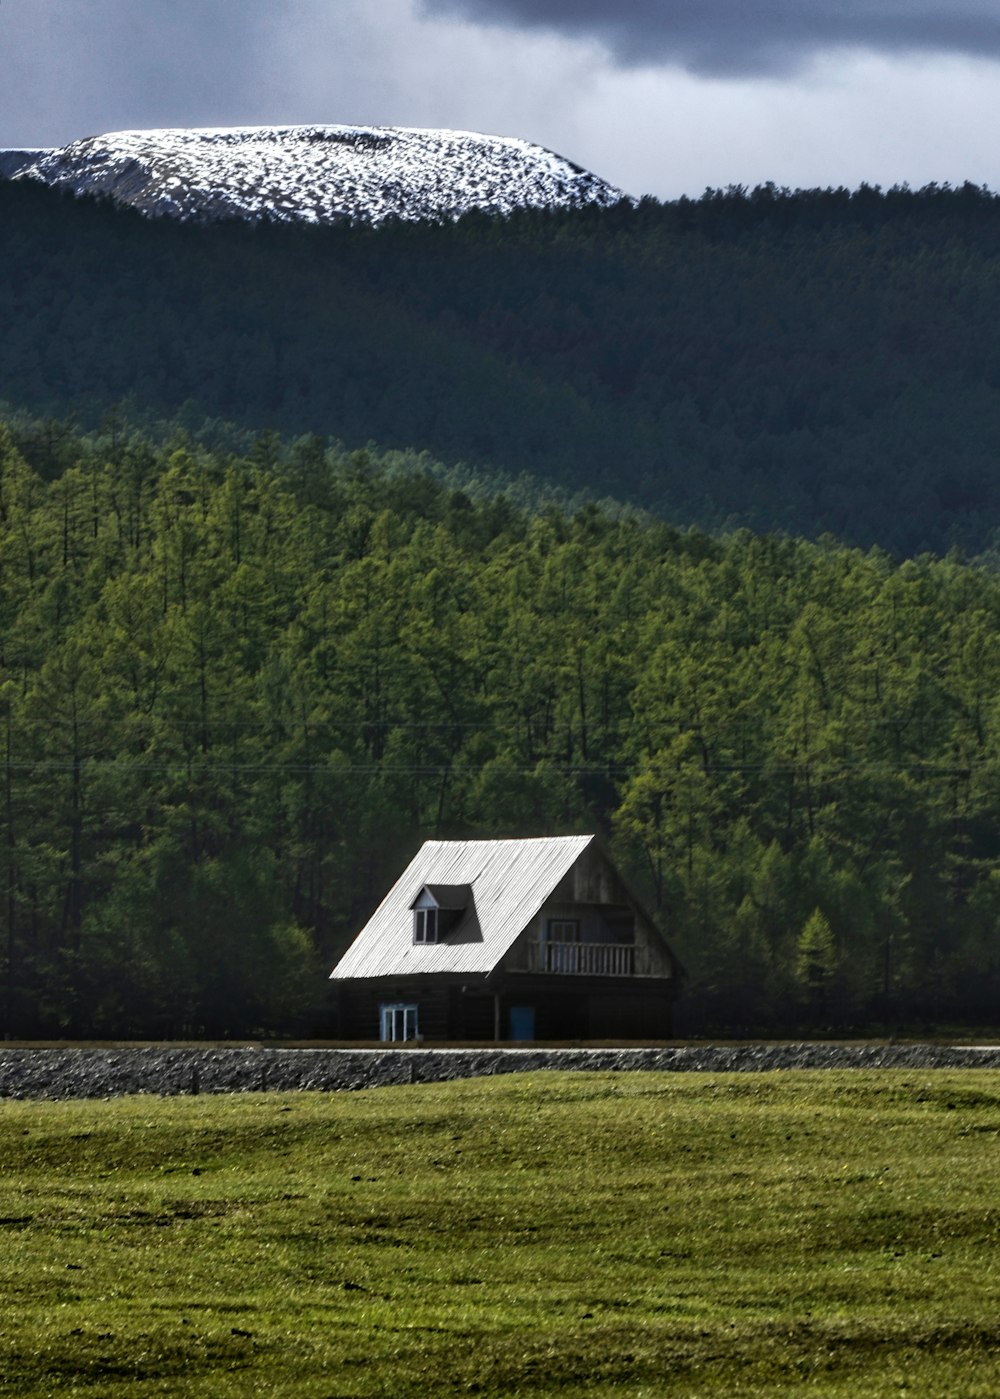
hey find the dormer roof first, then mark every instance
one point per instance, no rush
(447, 896)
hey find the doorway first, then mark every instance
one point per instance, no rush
(522, 1022)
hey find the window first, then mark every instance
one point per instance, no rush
(425, 925)
(562, 936)
(437, 909)
(398, 1023)
(564, 930)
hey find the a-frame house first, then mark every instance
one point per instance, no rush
(536, 939)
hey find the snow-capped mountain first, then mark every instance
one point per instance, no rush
(317, 174)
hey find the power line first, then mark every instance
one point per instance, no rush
(786, 768)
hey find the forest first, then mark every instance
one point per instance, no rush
(237, 689)
(811, 362)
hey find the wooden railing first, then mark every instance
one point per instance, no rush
(583, 958)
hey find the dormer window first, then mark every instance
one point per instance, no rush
(425, 925)
(437, 909)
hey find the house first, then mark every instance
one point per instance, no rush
(535, 939)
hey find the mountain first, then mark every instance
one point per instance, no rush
(314, 174)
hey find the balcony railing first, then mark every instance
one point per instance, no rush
(583, 958)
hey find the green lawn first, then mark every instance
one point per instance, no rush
(822, 1233)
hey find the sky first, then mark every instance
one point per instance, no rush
(661, 97)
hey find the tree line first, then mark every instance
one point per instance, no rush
(237, 690)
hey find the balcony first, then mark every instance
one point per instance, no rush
(582, 958)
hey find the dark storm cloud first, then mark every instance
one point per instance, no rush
(748, 36)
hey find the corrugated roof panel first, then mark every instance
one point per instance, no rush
(510, 881)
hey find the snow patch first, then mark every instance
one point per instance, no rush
(317, 174)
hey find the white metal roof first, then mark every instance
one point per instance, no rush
(510, 881)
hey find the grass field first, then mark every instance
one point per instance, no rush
(821, 1233)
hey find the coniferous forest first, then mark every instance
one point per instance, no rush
(681, 528)
(237, 688)
(813, 362)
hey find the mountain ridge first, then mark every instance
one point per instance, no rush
(314, 174)
(818, 363)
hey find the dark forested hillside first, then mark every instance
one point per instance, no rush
(236, 693)
(817, 361)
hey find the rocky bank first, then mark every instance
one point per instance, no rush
(114, 1072)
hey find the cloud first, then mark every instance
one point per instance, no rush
(77, 67)
(745, 37)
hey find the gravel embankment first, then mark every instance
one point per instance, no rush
(112, 1073)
